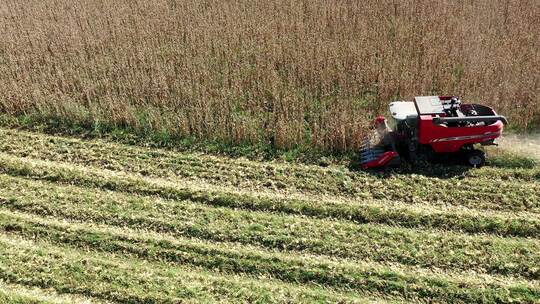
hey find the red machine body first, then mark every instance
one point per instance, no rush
(445, 139)
(430, 125)
(382, 160)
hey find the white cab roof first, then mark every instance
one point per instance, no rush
(401, 109)
(429, 104)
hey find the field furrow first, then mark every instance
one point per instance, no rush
(222, 256)
(276, 231)
(8, 296)
(120, 278)
(363, 211)
(481, 192)
(16, 293)
(367, 278)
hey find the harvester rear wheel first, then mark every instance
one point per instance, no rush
(476, 158)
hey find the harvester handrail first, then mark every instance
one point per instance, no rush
(441, 120)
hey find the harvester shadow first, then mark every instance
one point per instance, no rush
(441, 172)
(438, 169)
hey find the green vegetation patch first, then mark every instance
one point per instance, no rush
(104, 221)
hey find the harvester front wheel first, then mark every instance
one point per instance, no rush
(476, 158)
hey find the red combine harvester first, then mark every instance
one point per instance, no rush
(432, 125)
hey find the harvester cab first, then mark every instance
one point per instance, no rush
(428, 126)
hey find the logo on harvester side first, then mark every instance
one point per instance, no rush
(487, 134)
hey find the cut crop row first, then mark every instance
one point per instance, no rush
(252, 175)
(368, 212)
(230, 258)
(168, 163)
(16, 293)
(121, 279)
(9, 297)
(517, 257)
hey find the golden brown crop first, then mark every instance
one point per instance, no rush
(283, 72)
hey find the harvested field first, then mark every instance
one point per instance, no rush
(99, 221)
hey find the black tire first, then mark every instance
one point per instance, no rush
(476, 158)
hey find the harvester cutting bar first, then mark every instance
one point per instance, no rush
(369, 155)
